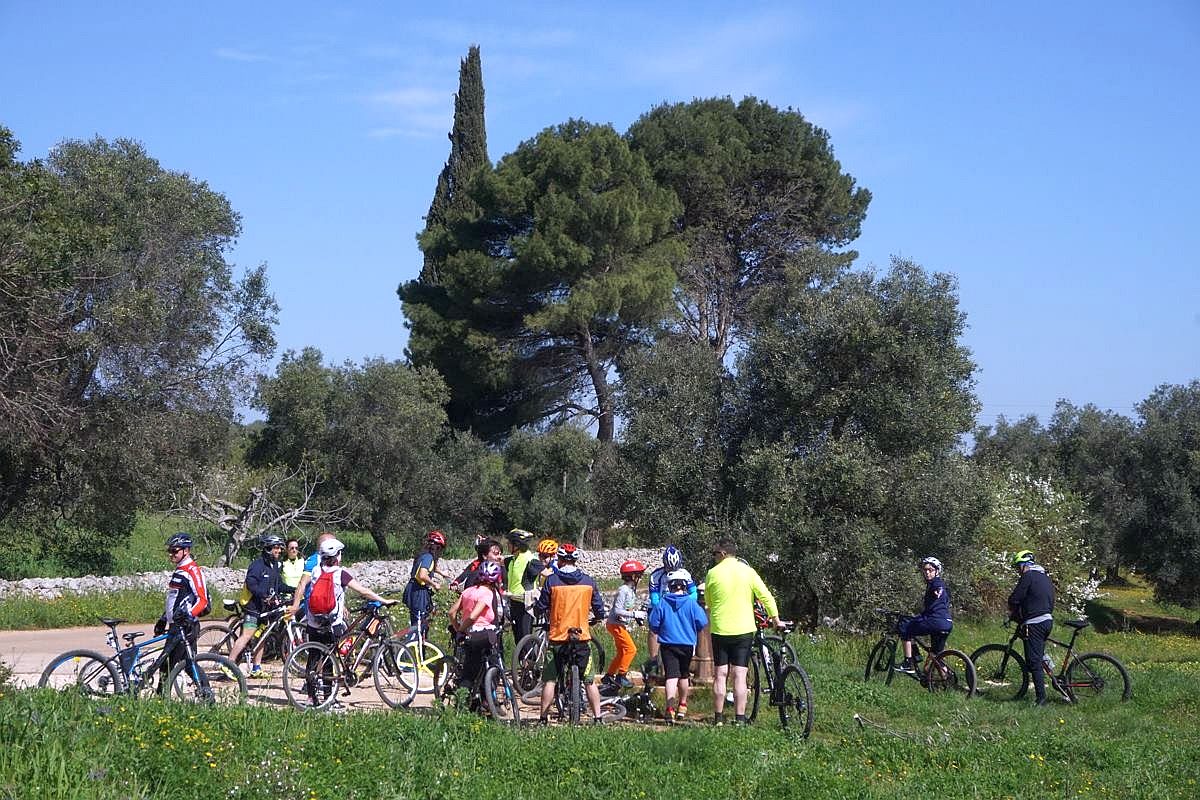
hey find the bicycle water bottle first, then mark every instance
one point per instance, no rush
(346, 646)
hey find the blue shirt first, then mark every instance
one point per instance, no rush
(937, 600)
(677, 619)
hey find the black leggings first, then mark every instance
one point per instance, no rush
(1035, 647)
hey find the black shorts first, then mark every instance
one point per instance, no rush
(734, 650)
(677, 660)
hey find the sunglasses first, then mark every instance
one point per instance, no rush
(174, 550)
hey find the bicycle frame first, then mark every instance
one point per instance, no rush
(128, 659)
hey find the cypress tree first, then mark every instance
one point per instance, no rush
(468, 152)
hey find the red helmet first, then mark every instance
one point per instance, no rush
(436, 537)
(568, 552)
(632, 567)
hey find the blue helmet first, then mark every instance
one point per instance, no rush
(180, 539)
(672, 558)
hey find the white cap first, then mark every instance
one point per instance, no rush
(331, 547)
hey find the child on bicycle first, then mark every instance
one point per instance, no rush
(934, 618)
(477, 616)
(624, 611)
(423, 580)
(676, 620)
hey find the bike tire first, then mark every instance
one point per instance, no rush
(314, 688)
(1097, 679)
(214, 638)
(215, 681)
(881, 662)
(794, 696)
(755, 686)
(86, 672)
(951, 671)
(501, 697)
(393, 659)
(1000, 673)
(612, 709)
(417, 667)
(574, 689)
(527, 662)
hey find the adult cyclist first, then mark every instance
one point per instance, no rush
(264, 580)
(1031, 605)
(568, 598)
(520, 541)
(187, 594)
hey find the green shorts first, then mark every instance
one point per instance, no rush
(556, 659)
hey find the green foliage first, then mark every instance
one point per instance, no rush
(23, 612)
(1164, 532)
(551, 479)
(125, 333)
(377, 432)
(564, 266)
(758, 186)
(468, 154)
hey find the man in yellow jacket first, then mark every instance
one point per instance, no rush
(730, 589)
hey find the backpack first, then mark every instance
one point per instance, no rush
(323, 600)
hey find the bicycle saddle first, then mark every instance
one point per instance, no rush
(130, 638)
(110, 622)
(1077, 624)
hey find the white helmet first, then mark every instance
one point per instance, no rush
(331, 547)
(933, 562)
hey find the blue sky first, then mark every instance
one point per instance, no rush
(1043, 153)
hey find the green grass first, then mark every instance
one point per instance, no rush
(29, 613)
(915, 744)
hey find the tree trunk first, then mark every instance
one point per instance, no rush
(380, 538)
(605, 425)
(239, 528)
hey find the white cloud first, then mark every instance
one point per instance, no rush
(411, 98)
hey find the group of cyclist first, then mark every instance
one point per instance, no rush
(546, 582)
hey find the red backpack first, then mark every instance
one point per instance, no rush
(323, 600)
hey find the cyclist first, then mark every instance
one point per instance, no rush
(187, 594)
(477, 616)
(1031, 605)
(676, 620)
(672, 560)
(934, 618)
(327, 628)
(539, 570)
(730, 589)
(423, 580)
(624, 611)
(264, 581)
(519, 541)
(486, 550)
(567, 599)
(292, 565)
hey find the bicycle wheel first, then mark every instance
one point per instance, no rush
(312, 677)
(755, 685)
(416, 667)
(612, 709)
(1000, 673)
(574, 689)
(212, 680)
(84, 671)
(527, 662)
(215, 638)
(794, 697)
(881, 662)
(950, 671)
(502, 700)
(780, 649)
(1097, 679)
(394, 672)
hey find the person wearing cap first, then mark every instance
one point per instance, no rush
(520, 541)
(677, 620)
(1031, 605)
(423, 580)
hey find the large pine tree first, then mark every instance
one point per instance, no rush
(468, 152)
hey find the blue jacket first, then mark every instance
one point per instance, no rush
(677, 619)
(264, 580)
(937, 600)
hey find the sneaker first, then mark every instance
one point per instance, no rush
(338, 707)
(906, 666)
(669, 716)
(260, 674)
(624, 682)
(597, 721)
(228, 673)
(681, 712)
(718, 720)
(1040, 702)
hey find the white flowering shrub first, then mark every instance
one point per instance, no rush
(1032, 513)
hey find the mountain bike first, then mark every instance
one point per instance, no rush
(133, 669)
(493, 690)
(530, 654)
(1094, 678)
(570, 693)
(316, 674)
(277, 635)
(406, 665)
(945, 671)
(636, 704)
(776, 675)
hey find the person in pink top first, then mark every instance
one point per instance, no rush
(477, 616)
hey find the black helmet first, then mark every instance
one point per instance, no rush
(272, 540)
(179, 540)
